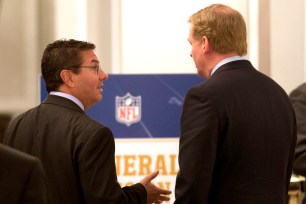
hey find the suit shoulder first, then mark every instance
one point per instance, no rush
(298, 91)
(87, 127)
(205, 87)
(88, 122)
(25, 114)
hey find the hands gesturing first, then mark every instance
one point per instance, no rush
(154, 193)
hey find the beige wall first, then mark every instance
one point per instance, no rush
(126, 44)
(18, 55)
(287, 44)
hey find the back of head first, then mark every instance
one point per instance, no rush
(59, 55)
(224, 27)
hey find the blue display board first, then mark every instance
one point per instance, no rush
(142, 106)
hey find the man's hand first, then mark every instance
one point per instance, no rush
(155, 194)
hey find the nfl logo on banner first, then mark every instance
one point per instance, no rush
(128, 109)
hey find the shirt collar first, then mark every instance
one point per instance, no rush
(68, 96)
(224, 61)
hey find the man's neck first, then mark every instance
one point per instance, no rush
(216, 58)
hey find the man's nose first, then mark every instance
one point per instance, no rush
(103, 75)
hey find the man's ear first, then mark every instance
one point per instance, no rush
(205, 44)
(66, 76)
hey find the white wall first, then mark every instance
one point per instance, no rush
(18, 55)
(154, 35)
(288, 42)
(70, 19)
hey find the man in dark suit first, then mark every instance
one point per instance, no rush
(298, 99)
(22, 179)
(238, 129)
(76, 151)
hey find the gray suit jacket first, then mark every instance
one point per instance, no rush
(238, 134)
(76, 152)
(298, 99)
(22, 179)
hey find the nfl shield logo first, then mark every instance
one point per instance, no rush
(128, 109)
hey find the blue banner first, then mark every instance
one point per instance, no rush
(142, 105)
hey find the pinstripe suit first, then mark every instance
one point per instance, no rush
(238, 134)
(76, 151)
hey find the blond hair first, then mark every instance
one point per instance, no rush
(223, 26)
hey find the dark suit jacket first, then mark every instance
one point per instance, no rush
(76, 151)
(238, 134)
(298, 99)
(22, 179)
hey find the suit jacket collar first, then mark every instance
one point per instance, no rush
(61, 101)
(238, 64)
